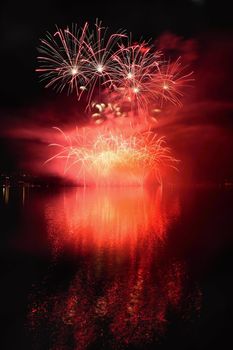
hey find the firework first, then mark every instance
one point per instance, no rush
(170, 82)
(111, 157)
(95, 62)
(135, 67)
(77, 59)
(126, 84)
(61, 61)
(99, 51)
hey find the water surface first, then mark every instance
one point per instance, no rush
(120, 268)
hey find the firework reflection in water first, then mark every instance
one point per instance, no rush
(123, 291)
(112, 217)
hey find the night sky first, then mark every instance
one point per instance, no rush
(207, 25)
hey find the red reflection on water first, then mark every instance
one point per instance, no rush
(113, 218)
(125, 289)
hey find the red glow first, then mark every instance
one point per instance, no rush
(109, 218)
(126, 289)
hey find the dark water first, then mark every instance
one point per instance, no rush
(116, 268)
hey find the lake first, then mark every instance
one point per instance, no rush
(116, 268)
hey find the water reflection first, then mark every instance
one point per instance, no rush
(114, 219)
(124, 286)
(5, 194)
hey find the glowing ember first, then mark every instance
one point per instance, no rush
(100, 68)
(74, 71)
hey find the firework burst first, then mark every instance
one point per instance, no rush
(99, 56)
(170, 82)
(113, 158)
(96, 62)
(61, 61)
(136, 65)
(78, 58)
